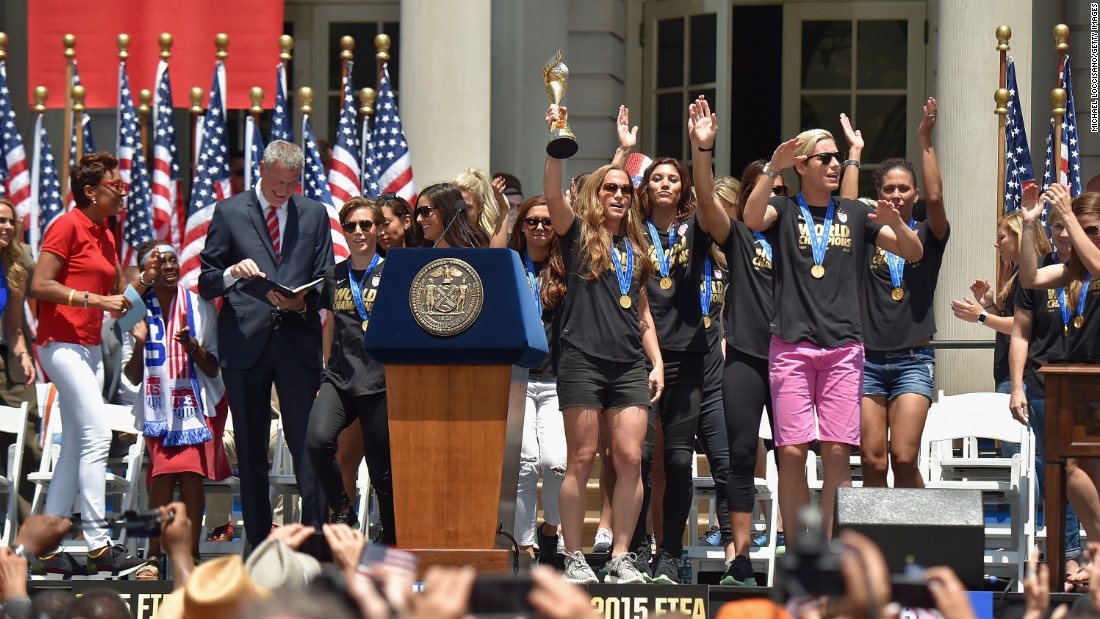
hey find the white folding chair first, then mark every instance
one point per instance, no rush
(13, 421)
(282, 479)
(968, 417)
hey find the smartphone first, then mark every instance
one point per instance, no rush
(501, 594)
(317, 547)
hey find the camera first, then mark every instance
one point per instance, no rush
(812, 567)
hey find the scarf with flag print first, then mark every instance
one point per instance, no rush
(173, 406)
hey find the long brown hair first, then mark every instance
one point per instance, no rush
(401, 210)
(552, 290)
(686, 205)
(1014, 222)
(1087, 203)
(11, 258)
(596, 239)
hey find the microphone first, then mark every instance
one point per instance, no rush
(460, 211)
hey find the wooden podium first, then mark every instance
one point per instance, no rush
(456, 402)
(1072, 431)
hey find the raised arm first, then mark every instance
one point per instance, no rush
(500, 237)
(1031, 276)
(1083, 247)
(702, 128)
(561, 213)
(896, 236)
(849, 184)
(930, 170)
(758, 214)
(628, 136)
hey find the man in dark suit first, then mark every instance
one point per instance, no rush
(269, 232)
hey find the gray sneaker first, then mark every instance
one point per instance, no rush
(667, 570)
(603, 540)
(622, 569)
(577, 569)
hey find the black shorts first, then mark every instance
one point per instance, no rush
(585, 380)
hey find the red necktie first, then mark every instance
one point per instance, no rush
(273, 230)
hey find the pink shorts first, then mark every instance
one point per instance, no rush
(805, 375)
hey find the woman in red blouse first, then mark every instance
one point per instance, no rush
(77, 279)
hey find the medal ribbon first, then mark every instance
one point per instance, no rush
(624, 279)
(1065, 309)
(896, 264)
(664, 261)
(818, 244)
(534, 282)
(1084, 294)
(357, 287)
(764, 243)
(704, 294)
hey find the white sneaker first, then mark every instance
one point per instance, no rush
(603, 540)
(577, 569)
(621, 569)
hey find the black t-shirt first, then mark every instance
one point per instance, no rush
(1048, 339)
(545, 370)
(591, 318)
(748, 304)
(713, 362)
(350, 368)
(676, 311)
(823, 311)
(1084, 343)
(890, 324)
(1000, 344)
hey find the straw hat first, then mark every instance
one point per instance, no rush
(218, 589)
(273, 565)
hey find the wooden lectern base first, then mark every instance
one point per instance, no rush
(494, 560)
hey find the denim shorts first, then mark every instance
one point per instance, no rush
(894, 372)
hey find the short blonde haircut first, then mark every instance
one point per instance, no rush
(810, 138)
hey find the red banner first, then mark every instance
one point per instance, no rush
(253, 26)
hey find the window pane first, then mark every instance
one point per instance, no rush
(881, 120)
(882, 54)
(363, 51)
(704, 46)
(670, 53)
(826, 54)
(823, 112)
(392, 29)
(670, 125)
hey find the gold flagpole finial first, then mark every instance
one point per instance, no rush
(1061, 36)
(286, 43)
(367, 97)
(196, 100)
(69, 41)
(1058, 101)
(221, 41)
(3, 45)
(146, 98)
(382, 44)
(347, 44)
(305, 99)
(165, 41)
(256, 94)
(123, 43)
(1001, 96)
(1004, 33)
(78, 98)
(40, 95)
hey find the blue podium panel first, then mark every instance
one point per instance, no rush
(507, 329)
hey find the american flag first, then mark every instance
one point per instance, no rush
(45, 186)
(138, 225)
(344, 173)
(169, 216)
(370, 168)
(83, 124)
(1018, 167)
(281, 128)
(211, 181)
(14, 173)
(395, 174)
(1069, 159)
(315, 186)
(253, 152)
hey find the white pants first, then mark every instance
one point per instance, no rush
(543, 451)
(77, 372)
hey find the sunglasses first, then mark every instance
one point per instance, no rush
(349, 226)
(1092, 230)
(387, 196)
(532, 223)
(119, 186)
(779, 190)
(424, 211)
(612, 188)
(825, 158)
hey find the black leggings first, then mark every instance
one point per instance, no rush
(746, 392)
(713, 438)
(333, 411)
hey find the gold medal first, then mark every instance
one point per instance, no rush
(817, 271)
(365, 324)
(1078, 322)
(666, 282)
(624, 302)
(706, 322)
(897, 294)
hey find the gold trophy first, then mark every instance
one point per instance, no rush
(562, 143)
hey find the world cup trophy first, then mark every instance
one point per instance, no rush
(562, 143)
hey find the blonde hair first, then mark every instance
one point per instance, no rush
(479, 187)
(810, 138)
(596, 239)
(728, 189)
(1014, 223)
(11, 258)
